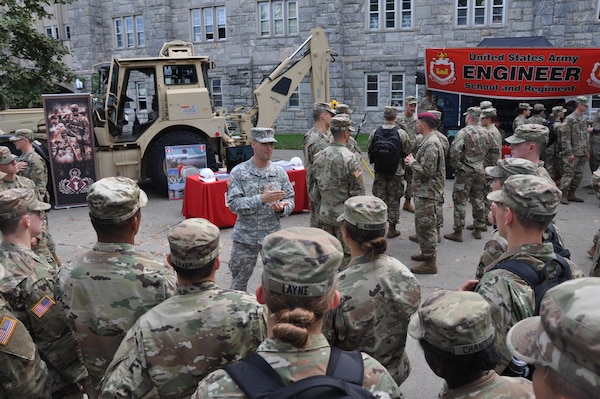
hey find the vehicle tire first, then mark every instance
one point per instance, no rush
(155, 161)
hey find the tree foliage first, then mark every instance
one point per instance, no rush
(31, 63)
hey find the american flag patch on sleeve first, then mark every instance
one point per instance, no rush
(7, 327)
(43, 306)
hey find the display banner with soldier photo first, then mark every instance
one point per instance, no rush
(70, 147)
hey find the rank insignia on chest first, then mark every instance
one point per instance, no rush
(43, 306)
(7, 328)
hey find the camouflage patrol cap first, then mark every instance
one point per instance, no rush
(21, 134)
(458, 322)
(488, 112)
(342, 109)
(539, 107)
(341, 122)
(194, 243)
(6, 156)
(300, 261)
(325, 107)
(512, 166)
(557, 110)
(566, 335)
(263, 135)
(524, 106)
(18, 201)
(410, 100)
(437, 114)
(532, 197)
(473, 111)
(390, 112)
(529, 132)
(485, 104)
(581, 100)
(365, 212)
(115, 199)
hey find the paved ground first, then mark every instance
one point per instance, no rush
(456, 261)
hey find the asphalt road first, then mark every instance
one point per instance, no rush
(578, 222)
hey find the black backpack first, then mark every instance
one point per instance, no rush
(344, 379)
(385, 151)
(540, 281)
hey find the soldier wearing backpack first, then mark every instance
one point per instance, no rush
(522, 210)
(386, 151)
(299, 286)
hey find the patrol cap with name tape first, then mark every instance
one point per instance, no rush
(341, 122)
(457, 322)
(488, 113)
(529, 132)
(300, 261)
(581, 100)
(532, 197)
(473, 111)
(323, 107)
(263, 135)
(512, 166)
(115, 199)
(194, 243)
(524, 106)
(19, 201)
(6, 156)
(557, 110)
(410, 100)
(343, 109)
(21, 134)
(365, 212)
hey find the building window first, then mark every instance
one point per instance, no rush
(214, 27)
(142, 96)
(217, 91)
(67, 32)
(129, 32)
(52, 31)
(294, 101)
(278, 18)
(390, 14)
(480, 12)
(397, 90)
(372, 90)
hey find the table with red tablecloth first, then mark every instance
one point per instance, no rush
(207, 200)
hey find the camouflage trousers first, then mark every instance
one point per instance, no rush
(390, 189)
(336, 231)
(469, 187)
(572, 173)
(594, 151)
(242, 263)
(439, 214)
(408, 191)
(425, 224)
(553, 162)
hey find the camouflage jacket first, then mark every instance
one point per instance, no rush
(335, 176)
(518, 121)
(497, 137)
(537, 120)
(104, 291)
(28, 286)
(314, 141)
(378, 296)
(429, 169)
(491, 386)
(595, 134)
(23, 374)
(36, 170)
(407, 123)
(294, 364)
(512, 298)
(473, 148)
(574, 140)
(179, 341)
(256, 220)
(405, 141)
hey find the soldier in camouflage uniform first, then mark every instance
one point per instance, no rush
(23, 374)
(28, 286)
(104, 290)
(523, 209)
(178, 342)
(488, 121)
(298, 287)
(562, 342)
(259, 193)
(594, 144)
(471, 149)
(429, 175)
(390, 188)
(524, 113)
(538, 115)
(528, 142)
(335, 176)
(31, 164)
(352, 145)
(316, 139)
(427, 104)
(456, 332)
(574, 151)
(407, 121)
(553, 161)
(378, 293)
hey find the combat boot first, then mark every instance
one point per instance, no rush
(421, 257)
(592, 251)
(573, 198)
(477, 234)
(408, 206)
(427, 267)
(456, 236)
(564, 200)
(472, 227)
(413, 238)
(392, 232)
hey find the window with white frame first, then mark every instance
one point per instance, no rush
(390, 14)
(480, 12)
(216, 89)
(208, 24)
(397, 90)
(294, 101)
(129, 31)
(67, 32)
(142, 97)
(278, 18)
(372, 90)
(52, 31)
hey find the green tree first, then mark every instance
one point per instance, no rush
(31, 63)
